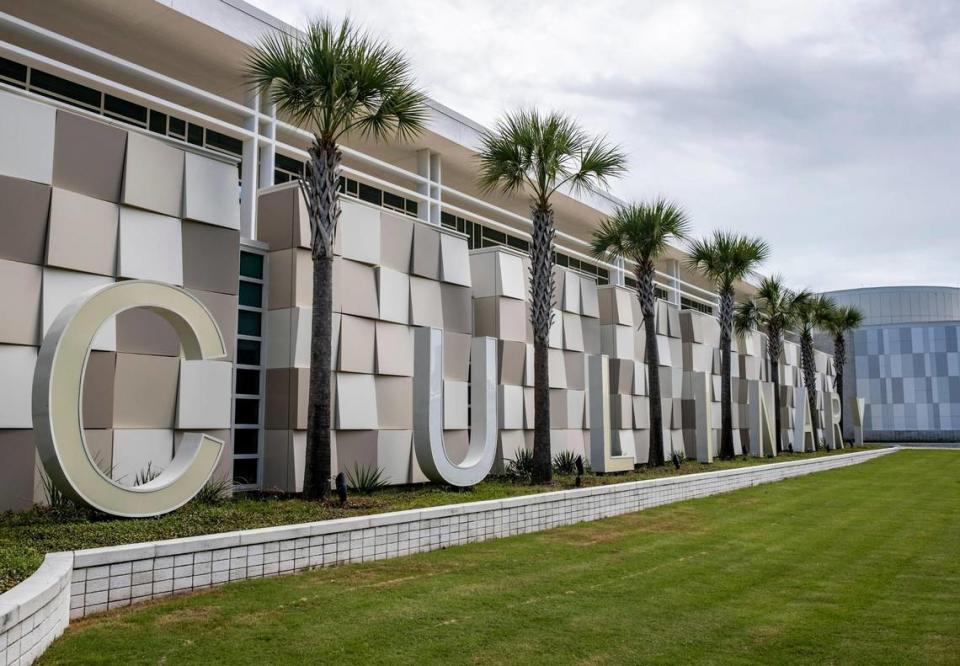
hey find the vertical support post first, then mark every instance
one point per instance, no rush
(673, 270)
(619, 272)
(268, 152)
(429, 167)
(248, 170)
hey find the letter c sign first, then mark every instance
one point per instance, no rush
(58, 394)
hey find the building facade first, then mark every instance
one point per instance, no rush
(905, 361)
(131, 149)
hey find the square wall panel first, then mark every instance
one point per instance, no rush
(211, 257)
(393, 295)
(394, 455)
(26, 138)
(457, 308)
(394, 403)
(355, 289)
(19, 470)
(511, 277)
(150, 247)
(394, 353)
(88, 157)
(145, 391)
(282, 218)
(454, 260)
(455, 404)
(284, 458)
(425, 260)
(455, 443)
(456, 356)
(60, 288)
(396, 241)
(483, 273)
(511, 320)
(358, 232)
(572, 332)
(614, 305)
(589, 303)
(26, 207)
(98, 378)
(287, 398)
(426, 305)
(20, 303)
(512, 358)
(356, 344)
(140, 331)
(356, 402)
(357, 450)
(206, 393)
(223, 307)
(16, 389)
(288, 341)
(153, 175)
(82, 233)
(136, 451)
(575, 370)
(211, 192)
(511, 407)
(290, 281)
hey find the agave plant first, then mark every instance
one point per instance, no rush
(839, 323)
(565, 462)
(332, 80)
(520, 468)
(366, 478)
(726, 258)
(813, 312)
(539, 154)
(641, 233)
(773, 309)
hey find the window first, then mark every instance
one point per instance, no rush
(121, 109)
(249, 373)
(62, 89)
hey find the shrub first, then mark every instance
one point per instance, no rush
(215, 492)
(521, 467)
(146, 475)
(365, 479)
(678, 456)
(565, 462)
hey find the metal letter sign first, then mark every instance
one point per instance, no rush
(58, 394)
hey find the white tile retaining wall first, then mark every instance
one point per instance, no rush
(36, 611)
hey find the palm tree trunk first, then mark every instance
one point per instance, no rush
(320, 193)
(648, 305)
(839, 358)
(810, 381)
(726, 399)
(541, 317)
(775, 371)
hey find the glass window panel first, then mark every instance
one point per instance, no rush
(223, 142)
(248, 323)
(248, 381)
(370, 194)
(245, 471)
(251, 265)
(124, 109)
(13, 70)
(178, 127)
(251, 294)
(245, 441)
(247, 411)
(248, 352)
(194, 134)
(65, 89)
(158, 122)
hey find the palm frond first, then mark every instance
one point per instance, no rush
(641, 231)
(727, 257)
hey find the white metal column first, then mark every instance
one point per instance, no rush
(428, 166)
(248, 172)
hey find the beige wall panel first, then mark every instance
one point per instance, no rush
(529, 413)
(615, 305)
(591, 335)
(621, 376)
(204, 400)
(288, 340)
(394, 403)
(568, 283)
(88, 156)
(617, 341)
(20, 288)
(224, 468)
(26, 138)
(589, 306)
(82, 233)
(509, 442)
(454, 260)
(283, 460)
(150, 247)
(621, 412)
(456, 356)
(396, 242)
(354, 289)
(153, 175)
(290, 282)
(282, 218)
(278, 405)
(483, 273)
(357, 340)
(145, 391)
(211, 257)
(18, 471)
(576, 401)
(455, 443)
(394, 453)
(555, 338)
(511, 320)
(357, 450)
(393, 295)
(23, 233)
(60, 288)
(572, 332)
(426, 304)
(512, 358)
(455, 401)
(223, 307)
(457, 308)
(510, 407)
(210, 191)
(140, 331)
(100, 446)
(358, 233)
(137, 450)
(98, 390)
(557, 368)
(425, 261)
(394, 349)
(485, 316)
(356, 402)
(18, 365)
(573, 363)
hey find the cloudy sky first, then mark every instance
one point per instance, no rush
(831, 128)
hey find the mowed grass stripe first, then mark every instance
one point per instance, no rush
(856, 565)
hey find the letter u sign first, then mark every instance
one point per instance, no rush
(58, 393)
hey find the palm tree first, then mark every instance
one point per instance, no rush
(539, 154)
(333, 80)
(641, 232)
(773, 309)
(726, 258)
(812, 313)
(842, 320)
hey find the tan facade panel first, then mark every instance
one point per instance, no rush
(18, 471)
(354, 289)
(393, 295)
(356, 402)
(614, 305)
(204, 398)
(454, 260)
(23, 230)
(394, 349)
(357, 342)
(357, 450)
(282, 218)
(223, 307)
(396, 242)
(211, 257)
(82, 233)
(139, 451)
(98, 378)
(145, 391)
(100, 447)
(426, 303)
(394, 403)
(26, 138)
(140, 331)
(455, 401)
(395, 455)
(456, 356)
(16, 389)
(512, 358)
(457, 308)
(153, 175)
(425, 261)
(288, 342)
(88, 157)
(284, 459)
(150, 247)
(210, 191)
(358, 234)
(60, 288)
(20, 303)
(287, 398)
(290, 282)
(455, 444)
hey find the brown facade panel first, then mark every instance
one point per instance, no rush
(145, 391)
(211, 257)
(82, 234)
(282, 220)
(23, 225)
(153, 175)
(98, 378)
(20, 289)
(140, 331)
(18, 473)
(88, 157)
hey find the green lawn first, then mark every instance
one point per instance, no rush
(857, 565)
